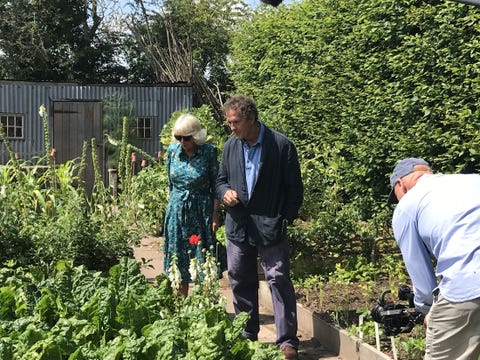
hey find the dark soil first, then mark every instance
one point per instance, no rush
(342, 304)
(336, 304)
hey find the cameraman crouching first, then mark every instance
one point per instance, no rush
(439, 216)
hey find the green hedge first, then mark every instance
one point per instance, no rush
(357, 85)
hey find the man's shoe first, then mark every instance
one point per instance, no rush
(289, 352)
(249, 336)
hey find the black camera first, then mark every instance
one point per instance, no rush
(397, 318)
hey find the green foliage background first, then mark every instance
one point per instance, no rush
(59, 41)
(358, 85)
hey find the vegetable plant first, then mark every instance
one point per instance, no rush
(78, 313)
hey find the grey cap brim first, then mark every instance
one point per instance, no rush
(392, 198)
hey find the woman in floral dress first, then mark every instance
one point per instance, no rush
(192, 208)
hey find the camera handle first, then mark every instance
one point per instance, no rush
(382, 297)
(406, 294)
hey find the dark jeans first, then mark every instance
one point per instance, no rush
(243, 276)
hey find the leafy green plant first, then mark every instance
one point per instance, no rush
(412, 347)
(149, 191)
(310, 284)
(47, 215)
(81, 314)
(365, 330)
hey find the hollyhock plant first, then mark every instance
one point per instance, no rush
(42, 111)
(210, 273)
(174, 275)
(193, 269)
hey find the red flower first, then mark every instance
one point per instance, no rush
(194, 239)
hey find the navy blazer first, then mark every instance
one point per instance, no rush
(277, 194)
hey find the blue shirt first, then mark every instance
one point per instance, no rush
(440, 217)
(251, 155)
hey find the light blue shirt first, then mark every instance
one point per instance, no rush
(252, 155)
(440, 216)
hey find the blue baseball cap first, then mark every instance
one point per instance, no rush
(403, 168)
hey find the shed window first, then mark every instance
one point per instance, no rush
(142, 127)
(12, 125)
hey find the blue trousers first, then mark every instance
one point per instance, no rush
(243, 277)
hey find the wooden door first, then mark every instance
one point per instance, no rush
(73, 123)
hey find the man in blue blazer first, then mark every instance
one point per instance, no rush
(260, 183)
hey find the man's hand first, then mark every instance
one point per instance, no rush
(230, 198)
(215, 221)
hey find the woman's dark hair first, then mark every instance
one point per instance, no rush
(243, 104)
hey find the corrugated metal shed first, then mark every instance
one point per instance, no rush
(24, 98)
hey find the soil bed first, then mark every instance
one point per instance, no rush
(337, 304)
(342, 304)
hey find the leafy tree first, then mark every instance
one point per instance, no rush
(140, 69)
(185, 40)
(205, 25)
(58, 40)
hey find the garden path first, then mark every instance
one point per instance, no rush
(149, 252)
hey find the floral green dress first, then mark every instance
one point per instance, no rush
(190, 206)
